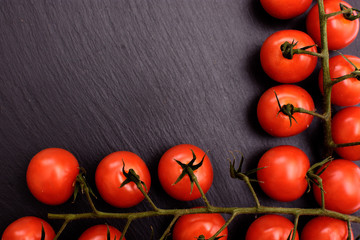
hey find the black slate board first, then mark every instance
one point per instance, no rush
(95, 77)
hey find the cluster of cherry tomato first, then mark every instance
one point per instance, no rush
(282, 173)
(52, 174)
(283, 169)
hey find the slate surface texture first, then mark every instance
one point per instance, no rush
(95, 77)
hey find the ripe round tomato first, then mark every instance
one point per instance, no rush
(282, 69)
(192, 226)
(278, 124)
(51, 175)
(341, 32)
(169, 171)
(99, 232)
(270, 227)
(345, 129)
(346, 92)
(28, 228)
(109, 176)
(341, 183)
(283, 173)
(285, 9)
(325, 228)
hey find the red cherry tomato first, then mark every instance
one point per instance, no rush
(341, 183)
(286, 70)
(325, 228)
(28, 228)
(169, 171)
(285, 9)
(51, 175)
(192, 226)
(109, 177)
(340, 31)
(283, 173)
(278, 124)
(270, 227)
(347, 92)
(346, 129)
(99, 232)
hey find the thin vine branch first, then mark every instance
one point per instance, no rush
(313, 113)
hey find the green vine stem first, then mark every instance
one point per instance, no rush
(235, 211)
(203, 196)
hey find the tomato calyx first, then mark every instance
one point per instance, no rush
(42, 232)
(288, 50)
(108, 236)
(238, 173)
(312, 176)
(287, 109)
(188, 169)
(82, 185)
(131, 176)
(348, 13)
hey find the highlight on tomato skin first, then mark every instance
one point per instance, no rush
(285, 9)
(192, 226)
(169, 171)
(346, 92)
(29, 228)
(282, 173)
(325, 228)
(270, 227)
(109, 177)
(278, 124)
(340, 31)
(51, 175)
(341, 183)
(100, 232)
(345, 128)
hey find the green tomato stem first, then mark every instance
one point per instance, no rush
(313, 113)
(296, 222)
(167, 230)
(140, 187)
(129, 220)
(203, 196)
(301, 51)
(224, 226)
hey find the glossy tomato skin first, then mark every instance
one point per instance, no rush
(325, 228)
(191, 226)
(109, 177)
(285, 9)
(278, 124)
(347, 92)
(51, 175)
(169, 170)
(284, 70)
(345, 129)
(283, 173)
(341, 32)
(270, 227)
(99, 232)
(28, 228)
(341, 182)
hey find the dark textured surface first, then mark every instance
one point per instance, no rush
(95, 77)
